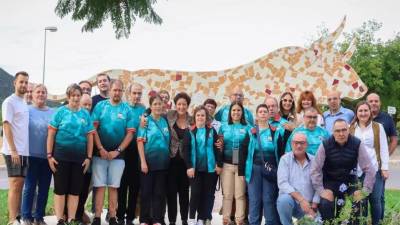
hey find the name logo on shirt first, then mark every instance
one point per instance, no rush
(120, 116)
(242, 131)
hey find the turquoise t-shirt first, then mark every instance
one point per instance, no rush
(223, 115)
(234, 135)
(72, 129)
(113, 122)
(156, 138)
(314, 138)
(267, 146)
(278, 122)
(137, 111)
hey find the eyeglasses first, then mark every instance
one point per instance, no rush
(312, 117)
(299, 142)
(137, 93)
(287, 100)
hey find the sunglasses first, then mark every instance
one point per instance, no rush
(287, 100)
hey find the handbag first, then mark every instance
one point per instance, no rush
(270, 170)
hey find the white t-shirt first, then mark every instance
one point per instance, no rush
(366, 135)
(15, 111)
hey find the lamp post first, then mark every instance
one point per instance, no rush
(51, 29)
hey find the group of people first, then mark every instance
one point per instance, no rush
(285, 161)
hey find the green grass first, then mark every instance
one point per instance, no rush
(392, 204)
(49, 206)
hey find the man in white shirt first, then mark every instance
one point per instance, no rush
(15, 148)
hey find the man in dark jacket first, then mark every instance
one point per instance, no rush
(334, 172)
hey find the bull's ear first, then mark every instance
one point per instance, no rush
(350, 50)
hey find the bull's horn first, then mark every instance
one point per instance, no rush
(331, 38)
(350, 50)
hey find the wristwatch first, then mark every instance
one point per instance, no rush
(119, 149)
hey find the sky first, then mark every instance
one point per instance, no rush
(196, 35)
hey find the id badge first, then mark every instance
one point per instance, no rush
(235, 156)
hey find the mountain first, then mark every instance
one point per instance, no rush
(6, 85)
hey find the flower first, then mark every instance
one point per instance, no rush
(253, 130)
(340, 202)
(343, 188)
(318, 220)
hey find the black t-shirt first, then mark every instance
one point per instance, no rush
(180, 132)
(387, 123)
(96, 99)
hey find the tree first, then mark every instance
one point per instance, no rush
(123, 13)
(376, 62)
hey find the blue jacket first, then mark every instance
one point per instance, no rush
(235, 135)
(277, 141)
(200, 150)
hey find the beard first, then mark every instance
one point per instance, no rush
(21, 91)
(116, 99)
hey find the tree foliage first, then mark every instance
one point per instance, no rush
(377, 62)
(122, 13)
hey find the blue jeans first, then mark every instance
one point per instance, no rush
(288, 208)
(39, 175)
(257, 187)
(375, 199)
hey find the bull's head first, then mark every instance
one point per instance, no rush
(338, 74)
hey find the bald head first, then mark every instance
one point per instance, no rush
(86, 102)
(135, 93)
(272, 104)
(334, 101)
(28, 94)
(374, 101)
(236, 94)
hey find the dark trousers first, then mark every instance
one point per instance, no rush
(128, 190)
(202, 195)
(178, 183)
(152, 196)
(327, 208)
(39, 176)
(83, 196)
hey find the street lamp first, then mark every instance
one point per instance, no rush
(51, 29)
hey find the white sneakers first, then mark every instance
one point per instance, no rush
(192, 222)
(198, 222)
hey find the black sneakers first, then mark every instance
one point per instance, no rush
(112, 221)
(96, 221)
(61, 222)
